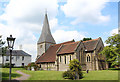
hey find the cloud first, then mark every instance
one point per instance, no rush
(114, 31)
(62, 36)
(85, 11)
(24, 21)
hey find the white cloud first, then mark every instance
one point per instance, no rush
(85, 11)
(62, 36)
(114, 31)
(24, 20)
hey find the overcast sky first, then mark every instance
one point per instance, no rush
(69, 19)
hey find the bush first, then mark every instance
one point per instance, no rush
(69, 75)
(30, 65)
(75, 70)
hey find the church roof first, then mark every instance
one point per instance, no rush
(90, 45)
(50, 55)
(68, 48)
(46, 35)
(65, 48)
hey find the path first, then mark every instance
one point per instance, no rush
(23, 77)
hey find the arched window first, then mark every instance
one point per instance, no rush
(88, 58)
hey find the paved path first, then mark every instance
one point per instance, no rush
(23, 77)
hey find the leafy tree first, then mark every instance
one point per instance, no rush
(85, 39)
(112, 51)
(76, 68)
(3, 49)
(1, 42)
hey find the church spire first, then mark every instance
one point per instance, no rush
(46, 35)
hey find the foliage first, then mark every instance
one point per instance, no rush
(69, 75)
(7, 65)
(32, 65)
(1, 42)
(75, 70)
(112, 51)
(76, 67)
(85, 39)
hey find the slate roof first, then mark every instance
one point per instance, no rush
(46, 35)
(50, 55)
(17, 53)
(90, 45)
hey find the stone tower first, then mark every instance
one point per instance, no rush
(45, 39)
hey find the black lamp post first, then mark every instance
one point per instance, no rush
(10, 41)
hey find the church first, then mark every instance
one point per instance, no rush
(52, 56)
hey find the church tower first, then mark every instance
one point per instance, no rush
(46, 39)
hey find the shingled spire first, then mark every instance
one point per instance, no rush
(46, 39)
(46, 35)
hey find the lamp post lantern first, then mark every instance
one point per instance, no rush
(10, 41)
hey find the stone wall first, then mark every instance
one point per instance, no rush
(62, 65)
(40, 49)
(48, 66)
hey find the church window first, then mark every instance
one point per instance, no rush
(65, 59)
(40, 46)
(60, 58)
(88, 58)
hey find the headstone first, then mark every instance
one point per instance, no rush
(32, 68)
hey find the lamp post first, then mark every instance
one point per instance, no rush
(10, 41)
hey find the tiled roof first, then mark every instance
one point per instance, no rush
(68, 48)
(91, 44)
(17, 53)
(50, 55)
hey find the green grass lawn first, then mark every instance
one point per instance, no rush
(57, 75)
(101, 75)
(44, 75)
(5, 73)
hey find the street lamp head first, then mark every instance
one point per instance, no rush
(10, 41)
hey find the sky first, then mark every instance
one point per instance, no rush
(68, 19)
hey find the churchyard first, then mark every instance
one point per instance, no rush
(57, 75)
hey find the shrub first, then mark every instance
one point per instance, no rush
(69, 75)
(76, 67)
(30, 65)
(75, 70)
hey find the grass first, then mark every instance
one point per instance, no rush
(101, 75)
(57, 75)
(5, 73)
(44, 75)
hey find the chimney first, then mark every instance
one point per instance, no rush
(20, 47)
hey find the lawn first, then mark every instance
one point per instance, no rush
(57, 75)
(101, 75)
(5, 73)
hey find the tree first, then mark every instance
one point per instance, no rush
(76, 67)
(85, 39)
(3, 49)
(112, 51)
(1, 42)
